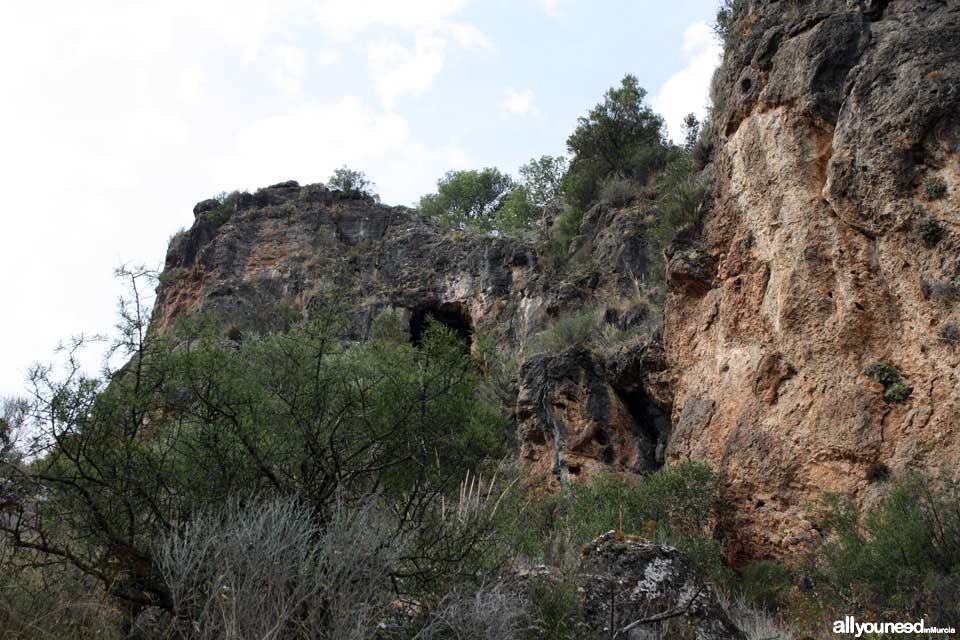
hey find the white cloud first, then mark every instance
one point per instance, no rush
(397, 69)
(191, 85)
(552, 7)
(288, 75)
(345, 18)
(400, 71)
(688, 90)
(519, 101)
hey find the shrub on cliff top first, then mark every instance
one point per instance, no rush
(621, 135)
(468, 198)
(351, 181)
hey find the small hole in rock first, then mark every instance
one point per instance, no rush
(745, 85)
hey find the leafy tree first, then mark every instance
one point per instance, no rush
(468, 198)
(542, 178)
(517, 212)
(349, 180)
(691, 131)
(192, 421)
(621, 135)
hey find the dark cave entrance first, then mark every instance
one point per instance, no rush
(653, 423)
(452, 315)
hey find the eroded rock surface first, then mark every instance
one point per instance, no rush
(641, 590)
(277, 252)
(832, 116)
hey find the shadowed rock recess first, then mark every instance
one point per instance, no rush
(814, 259)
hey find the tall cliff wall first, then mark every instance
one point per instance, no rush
(836, 129)
(827, 259)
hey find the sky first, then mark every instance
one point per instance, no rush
(118, 115)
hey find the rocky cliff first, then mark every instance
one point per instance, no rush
(817, 348)
(810, 337)
(257, 259)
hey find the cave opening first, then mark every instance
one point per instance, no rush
(653, 422)
(452, 315)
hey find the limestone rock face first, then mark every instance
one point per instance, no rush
(573, 423)
(833, 118)
(624, 580)
(285, 248)
(266, 256)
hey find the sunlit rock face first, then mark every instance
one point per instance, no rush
(831, 251)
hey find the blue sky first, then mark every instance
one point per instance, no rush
(118, 115)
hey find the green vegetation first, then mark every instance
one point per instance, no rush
(678, 201)
(543, 177)
(573, 329)
(897, 392)
(620, 136)
(557, 609)
(894, 388)
(931, 231)
(883, 372)
(620, 156)
(585, 328)
(193, 422)
(674, 505)
(723, 24)
(468, 198)
(351, 181)
(901, 558)
(489, 199)
(934, 187)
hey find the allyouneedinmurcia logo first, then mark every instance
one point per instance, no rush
(849, 625)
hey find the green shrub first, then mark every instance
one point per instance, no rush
(902, 558)
(621, 135)
(618, 191)
(389, 328)
(556, 609)
(897, 392)
(724, 24)
(468, 198)
(674, 505)
(556, 247)
(517, 211)
(767, 584)
(301, 413)
(351, 181)
(678, 202)
(934, 187)
(883, 372)
(577, 328)
(894, 388)
(931, 231)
